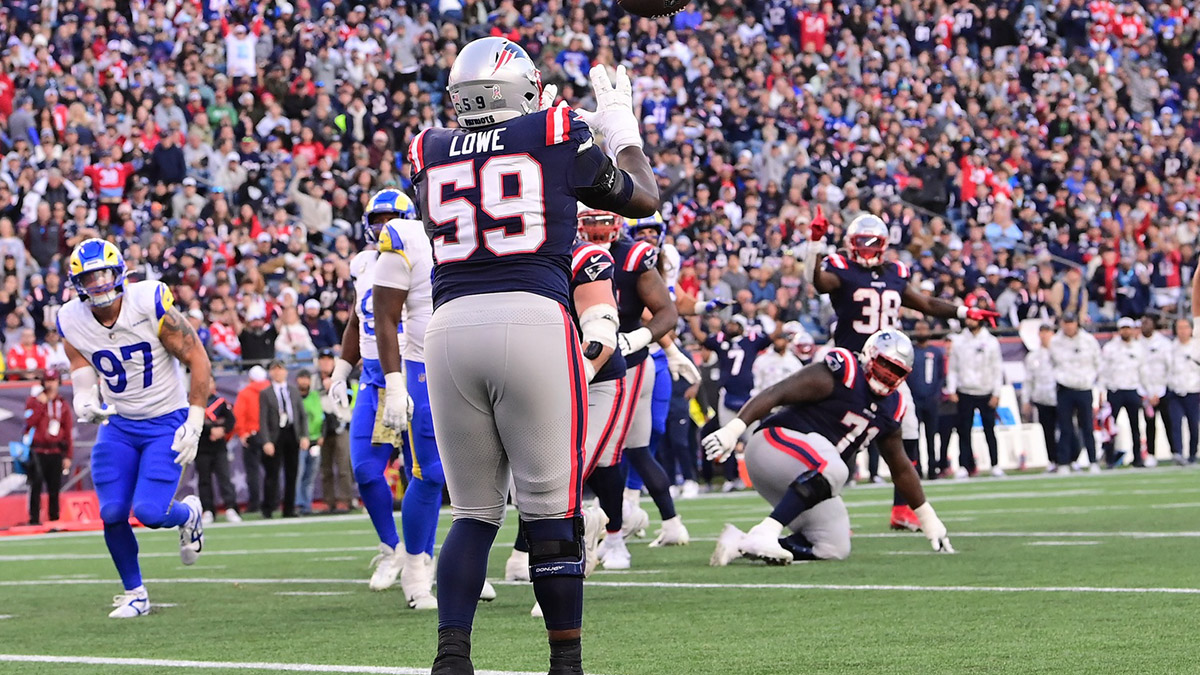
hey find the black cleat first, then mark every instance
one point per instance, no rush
(454, 653)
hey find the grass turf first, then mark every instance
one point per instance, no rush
(1026, 533)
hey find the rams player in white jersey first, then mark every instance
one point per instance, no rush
(127, 342)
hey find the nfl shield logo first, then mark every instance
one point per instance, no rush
(496, 95)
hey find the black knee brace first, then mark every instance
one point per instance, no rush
(812, 488)
(556, 557)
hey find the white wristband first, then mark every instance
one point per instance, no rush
(962, 311)
(639, 339)
(341, 370)
(395, 382)
(737, 425)
(925, 513)
(195, 416)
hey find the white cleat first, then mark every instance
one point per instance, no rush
(191, 533)
(207, 518)
(1150, 461)
(960, 473)
(130, 604)
(536, 612)
(517, 567)
(613, 552)
(416, 581)
(488, 592)
(727, 546)
(634, 520)
(232, 516)
(594, 520)
(997, 472)
(387, 564)
(673, 533)
(690, 490)
(1094, 468)
(1064, 470)
(759, 544)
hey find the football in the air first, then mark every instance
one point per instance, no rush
(652, 8)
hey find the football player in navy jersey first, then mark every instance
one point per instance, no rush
(505, 368)
(737, 347)
(640, 290)
(812, 425)
(867, 294)
(592, 285)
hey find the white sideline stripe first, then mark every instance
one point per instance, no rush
(231, 665)
(1022, 535)
(891, 587)
(1080, 542)
(673, 586)
(316, 593)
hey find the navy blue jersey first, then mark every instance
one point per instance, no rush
(591, 263)
(852, 416)
(736, 356)
(633, 258)
(499, 202)
(867, 301)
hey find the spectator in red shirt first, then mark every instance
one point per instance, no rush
(26, 359)
(49, 415)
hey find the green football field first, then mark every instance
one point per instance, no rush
(1081, 574)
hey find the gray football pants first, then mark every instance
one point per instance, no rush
(775, 457)
(507, 390)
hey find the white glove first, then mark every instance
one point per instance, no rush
(339, 383)
(549, 95)
(187, 436)
(88, 407)
(681, 365)
(634, 341)
(614, 116)
(720, 444)
(397, 406)
(933, 528)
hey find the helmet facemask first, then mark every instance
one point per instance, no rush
(885, 375)
(599, 227)
(867, 249)
(98, 288)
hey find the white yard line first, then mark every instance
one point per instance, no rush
(230, 665)
(678, 586)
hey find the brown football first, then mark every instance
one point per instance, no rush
(652, 8)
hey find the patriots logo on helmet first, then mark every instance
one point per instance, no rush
(596, 266)
(508, 53)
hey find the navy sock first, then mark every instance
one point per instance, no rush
(123, 547)
(789, 508)
(522, 542)
(800, 547)
(461, 571)
(608, 484)
(655, 478)
(561, 597)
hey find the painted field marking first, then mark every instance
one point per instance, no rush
(230, 665)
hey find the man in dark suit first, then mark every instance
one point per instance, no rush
(282, 429)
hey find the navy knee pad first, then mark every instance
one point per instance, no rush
(555, 547)
(812, 488)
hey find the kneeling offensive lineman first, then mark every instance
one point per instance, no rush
(798, 457)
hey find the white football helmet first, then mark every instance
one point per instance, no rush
(804, 346)
(888, 359)
(493, 80)
(867, 239)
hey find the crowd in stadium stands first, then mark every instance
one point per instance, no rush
(1044, 153)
